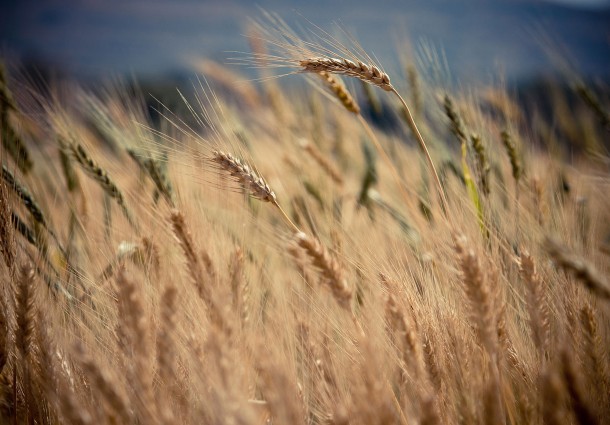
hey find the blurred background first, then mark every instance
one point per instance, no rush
(153, 39)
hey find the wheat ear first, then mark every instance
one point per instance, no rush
(104, 384)
(368, 73)
(166, 351)
(406, 328)
(536, 302)
(340, 92)
(455, 122)
(188, 247)
(4, 334)
(8, 136)
(249, 180)
(28, 201)
(329, 268)
(7, 237)
(477, 291)
(101, 177)
(595, 354)
(513, 155)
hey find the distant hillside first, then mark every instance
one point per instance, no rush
(478, 37)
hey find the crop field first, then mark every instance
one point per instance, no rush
(362, 248)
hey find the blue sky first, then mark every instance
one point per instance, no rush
(480, 37)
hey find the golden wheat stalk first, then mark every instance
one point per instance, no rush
(329, 267)
(477, 291)
(101, 177)
(26, 197)
(371, 74)
(322, 161)
(536, 302)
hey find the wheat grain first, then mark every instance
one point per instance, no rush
(249, 181)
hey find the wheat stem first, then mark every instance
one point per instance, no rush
(424, 147)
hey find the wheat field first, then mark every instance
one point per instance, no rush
(271, 255)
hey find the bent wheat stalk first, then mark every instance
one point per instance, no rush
(350, 104)
(371, 74)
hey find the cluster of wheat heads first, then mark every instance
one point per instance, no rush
(149, 276)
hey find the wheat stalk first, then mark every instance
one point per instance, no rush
(477, 292)
(104, 384)
(513, 155)
(373, 75)
(329, 268)
(456, 125)
(583, 271)
(101, 177)
(322, 161)
(251, 182)
(26, 197)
